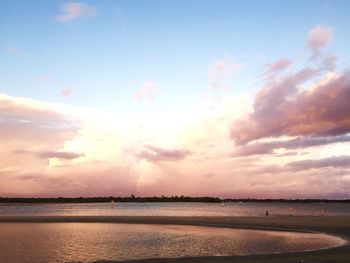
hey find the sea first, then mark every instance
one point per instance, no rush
(91, 242)
(176, 209)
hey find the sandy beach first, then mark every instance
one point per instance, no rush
(339, 226)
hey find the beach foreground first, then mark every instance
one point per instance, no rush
(339, 226)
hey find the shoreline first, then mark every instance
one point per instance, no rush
(160, 199)
(336, 226)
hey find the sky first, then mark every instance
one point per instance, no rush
(235, 99)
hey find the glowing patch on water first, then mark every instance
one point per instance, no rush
(66, 242)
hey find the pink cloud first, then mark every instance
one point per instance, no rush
(59, 155)
(147, 91)
(66, 92)
(319, 37)
(221, 70)
(100, 181)
(278, 111)
(52, 154)
(279, 65)
(74, 10)
(329, 61)
(33, 110)
(334, 162)
(259, 148)
(32, 125)
(157, 154)
(269, 108)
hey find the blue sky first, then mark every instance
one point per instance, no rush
(104, 58)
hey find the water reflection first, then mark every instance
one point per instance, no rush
(177, 209)
(67, 242)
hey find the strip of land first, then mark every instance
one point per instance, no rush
(339, 226)
(159, 199)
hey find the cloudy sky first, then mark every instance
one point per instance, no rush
(218, 98)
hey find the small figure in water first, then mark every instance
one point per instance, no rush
(267, 213)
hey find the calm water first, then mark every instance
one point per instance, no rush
(68, 242)
(177, 209)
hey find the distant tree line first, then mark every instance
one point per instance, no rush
(131, 198)
(162, 198)
(281, 200)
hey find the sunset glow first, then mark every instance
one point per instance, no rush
(101, 98)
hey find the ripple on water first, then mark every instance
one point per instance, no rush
(64, 242)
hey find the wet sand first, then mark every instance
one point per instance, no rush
(339, 226)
